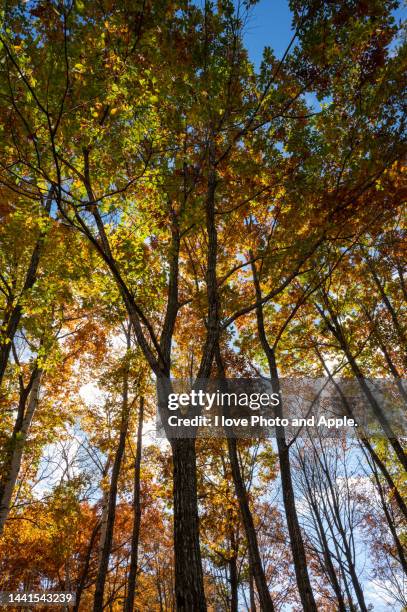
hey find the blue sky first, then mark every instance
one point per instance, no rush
(269, 25)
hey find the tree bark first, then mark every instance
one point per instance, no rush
(131, 582)
(352, 570)
(296, 540)
(189, 593)
(233, 574)
(189, 587)
(158, 356)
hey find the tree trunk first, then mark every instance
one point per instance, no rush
(353, 575)
(131, 583)
(11, 466)
(333, 578)
(105, 510)
(233, 585)
(188, 575)
(189, 593)
(111, 512)
(233, 575)
(378, 412)
(351, 605)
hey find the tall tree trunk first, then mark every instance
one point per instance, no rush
(233, 574)
(333, 578)
(351, 605)
(352, 571)
(14, 454)
(189, 587)
(189, 593)
(296, 540)
(111, 512)
(135, 536)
